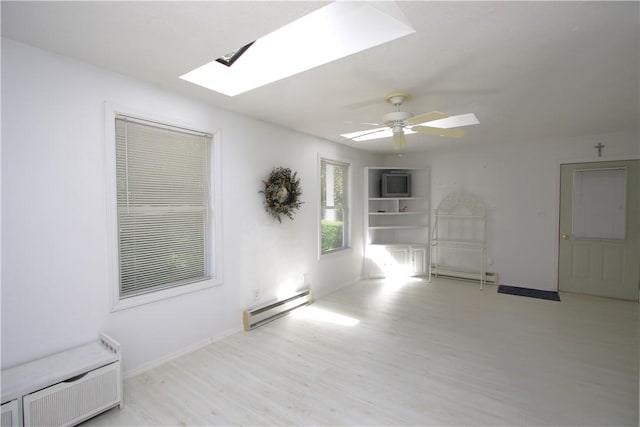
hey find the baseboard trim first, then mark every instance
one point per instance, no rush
(186, 350)
(205, 342)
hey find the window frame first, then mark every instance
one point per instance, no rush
(234, 56)
(215, 221)
(347, 205)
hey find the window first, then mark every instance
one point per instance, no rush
(334, 205)
(164, 236)
(335, 31)
(600, 203)
(232, 57)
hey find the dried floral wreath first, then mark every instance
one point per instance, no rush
(282, 193)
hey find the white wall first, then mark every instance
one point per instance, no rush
(55, 291)
(519, 183)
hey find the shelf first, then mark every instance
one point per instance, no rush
(458, 242)
(396, 198)
(482, 217)
(398, 213)
(444, 270)
(399, 244)
(397, 227)
(462, 219)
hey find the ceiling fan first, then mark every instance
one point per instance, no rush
(399, 123)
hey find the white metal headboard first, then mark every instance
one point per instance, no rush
(461, 202)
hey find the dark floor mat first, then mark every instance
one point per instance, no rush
(526, 292)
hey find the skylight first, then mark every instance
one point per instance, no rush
(340, 29)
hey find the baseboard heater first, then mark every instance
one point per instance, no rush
(451, 273)
(255, 317)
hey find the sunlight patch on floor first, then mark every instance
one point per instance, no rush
(399, 282)
(396, 274)
(322, 315)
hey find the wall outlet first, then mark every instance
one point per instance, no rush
(256, 294)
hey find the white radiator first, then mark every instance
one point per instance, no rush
(74, 400)
(261, 315)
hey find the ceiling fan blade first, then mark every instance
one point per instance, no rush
(370, 134)
(455, 121)
(426, 117)
(399, 140)
(453, 133)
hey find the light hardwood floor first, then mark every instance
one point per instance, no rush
(441, 353)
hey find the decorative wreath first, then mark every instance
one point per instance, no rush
(282, 193)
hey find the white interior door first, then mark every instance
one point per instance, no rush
(599, 251)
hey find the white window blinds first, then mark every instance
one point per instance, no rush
(163, 195)
(600, 203)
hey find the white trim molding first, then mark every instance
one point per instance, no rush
(348, 248)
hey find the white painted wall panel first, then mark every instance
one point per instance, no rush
(518, 180)
(55, 290)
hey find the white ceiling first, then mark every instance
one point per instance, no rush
(528, 70)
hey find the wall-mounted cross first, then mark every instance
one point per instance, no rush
(599, 147)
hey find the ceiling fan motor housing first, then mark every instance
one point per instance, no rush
(396, 118)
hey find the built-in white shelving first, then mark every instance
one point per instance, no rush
(396, 228)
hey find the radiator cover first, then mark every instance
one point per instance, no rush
(10, 414)
(67, 403)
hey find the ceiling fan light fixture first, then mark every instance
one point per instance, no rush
(399, 140)
(396, 117)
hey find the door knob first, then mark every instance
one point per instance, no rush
(565, 237)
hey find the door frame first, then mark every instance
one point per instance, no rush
(556, 207)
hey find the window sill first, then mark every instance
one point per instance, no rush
(123, 304)
(337, 252)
